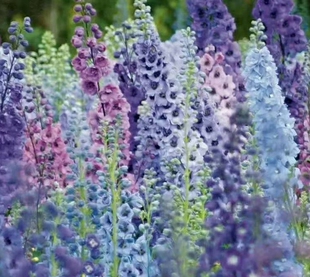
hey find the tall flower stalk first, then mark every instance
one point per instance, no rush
(12, 124)
(272, 121)
(285, 41)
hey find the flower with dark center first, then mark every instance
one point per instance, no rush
(209, 129)
(154, 85)
(175, 113)
(174, 141)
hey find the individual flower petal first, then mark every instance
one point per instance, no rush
(89, 87)
(93, 74)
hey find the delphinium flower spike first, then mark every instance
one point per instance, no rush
(272, 120)
(50, 69)
(220, 87)
(169, 141)
(45, 160)
(215, 26)
(129, 81)
(11, 121)
(190, 149)
(159, 124)
(90, 63)
(184, 167)
(209, 124)
(45, 156)
(153, 78)
(233, 216)
(103, 220)
(212, 23)
(95, 70)
(285, 41)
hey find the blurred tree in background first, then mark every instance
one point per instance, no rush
(56, 15)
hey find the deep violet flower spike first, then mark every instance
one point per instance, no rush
(212, 23)
(11, 123)
(233, 213)
(11, 71)
(129, 81)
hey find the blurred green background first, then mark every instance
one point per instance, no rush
(56, 15)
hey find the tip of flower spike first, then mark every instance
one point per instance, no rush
(258, 37)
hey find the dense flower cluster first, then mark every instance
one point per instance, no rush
(45, 156)
(277, 158)
(233, 214)
(129, 80)
(215, 26)
(221, 84)
(12, 124)
(50, 68)
(285, 40)
(144, 158)
(94, 68)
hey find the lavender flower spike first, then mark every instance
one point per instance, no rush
(275, 139)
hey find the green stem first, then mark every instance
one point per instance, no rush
(184, 249)
(54, 266)
(115, 204)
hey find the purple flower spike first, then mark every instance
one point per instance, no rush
(215, 26)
